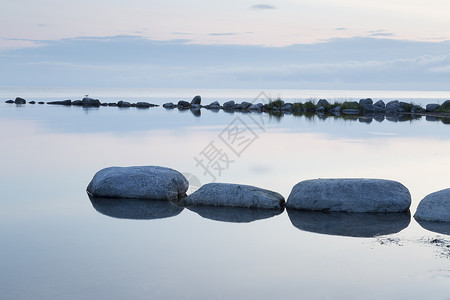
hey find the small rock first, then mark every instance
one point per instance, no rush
(169, 105)
(9, 101)
(229, 105)
(145, 182)
(112, 104)
(235, 195)
(20, 101)
(432, 107)
(76, 103)
(366, 101)
(88, 102)
(350, 195)
(41, 102)
(196, 100)
(32, 102)
(435, 207)
(143, 105)
(380, 103)
(183, 104)
(63, 102)
(123, 104)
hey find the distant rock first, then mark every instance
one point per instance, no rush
(229, 105)
(112, 104)
(366, 101)
(435, 207)
(76, 103)
(123, 104)
(287, 107)
(169, 105)
(323, 102)
(32, 102)
(213, 105)
(145, 182)
(380, 103)
(350, 195)
(144, 105)
(235, 195)
(63, 102)
(196, 100)
(393, 107)
(446, 105)
(9, 101)
(89, 102)
(432, 107)
(183, 104)
(41, 102)
(20, 101)
(245, 105)
(371, 108)
(256, 107)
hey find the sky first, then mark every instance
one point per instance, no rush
(296, 44)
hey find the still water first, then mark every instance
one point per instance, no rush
(57, 244)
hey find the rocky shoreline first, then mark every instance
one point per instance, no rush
(364, 110)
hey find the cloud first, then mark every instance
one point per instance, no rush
(262, 6)
(222, 33)
(380, 33)
(340, 28)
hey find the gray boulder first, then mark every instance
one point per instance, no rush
(350, 195)
(169, 105)
(434, 207)
(432, 107)
(20, 101)
(256, 107)
(229, 105)
(380, 103)
(9, 101)
(63, 102)
(145, 182)
(366, 101)
(323, 102)
(213, 105)
(393, 107)
(235, 195)
(183, 104)
(372, 108)
(123, 104)
(76, 103)
(87, 102)
(196, 100)
(145, 105)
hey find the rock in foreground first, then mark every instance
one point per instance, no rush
(235, 195)
(350, 195)
(146, 182)
(434, 207)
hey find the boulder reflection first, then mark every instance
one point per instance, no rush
(138, 209)
(234, 214)
(438, 227)
(349, 224)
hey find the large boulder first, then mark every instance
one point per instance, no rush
(235, 195)
(367, 101)
(229, 105)
(87, 102)
(432, 107)
(350, 195)
(435, 207)
(145, 182)
(196, 100)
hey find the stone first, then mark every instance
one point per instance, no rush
(229, 105)
(183, 104)
(380, 103)
(135, 209)
(287, 107)
(76, 103)
(9, 101)
(434, 207)
(235, 195)
(213, 105)
(142, 182)
(372, 108)
(32, 102)
(87, 102)
(393, 107)
(446, 105)
(432, 107)
(112, 104)
(350, 195)
(123, 104)
(349, 224)
(245, 105)
(20, 101)
(323, 102)
(104, 104)
(143, 105)
(197, 100)
(366, 101)
(169, 105)
(256, 107)
(63, 102)
(41, 102)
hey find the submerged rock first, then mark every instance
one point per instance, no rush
(138, 209)
(144, 105)
(62, 102)
(144, 182)
(350, 195)
(434, 207)
(235, 195)
(349, 224)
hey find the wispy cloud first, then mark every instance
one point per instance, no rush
(262, 6)
(380, 33)
(223, 33)
(340, 28)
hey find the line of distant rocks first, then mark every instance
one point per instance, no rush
(85, 102)
(341, 195)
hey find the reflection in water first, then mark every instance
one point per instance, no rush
(135, 208)
(439, 227)
(234, 214)
(349, 224)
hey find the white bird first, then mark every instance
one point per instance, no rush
(87, 95)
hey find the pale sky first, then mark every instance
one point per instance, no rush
(280, 23)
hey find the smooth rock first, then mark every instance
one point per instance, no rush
(349, 224)
(366, 101)
(76, 103)
(143, 182)
(229, 105)
(432, 107)
(32, 102)
(9, 101)
(434, 207)
(183, 104)
(62, 102)
(87, 102)
(235, 195)
(350, 195)
(196, 100)
(393, 107)
(123, 104)
(323, 102)
(41, 102)
(144, 105)
(20, 101)
(169, 105)
(136, 209)
(380, 103)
